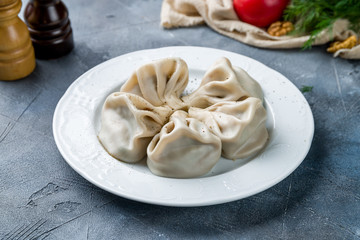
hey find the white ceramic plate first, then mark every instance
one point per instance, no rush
(76, 124)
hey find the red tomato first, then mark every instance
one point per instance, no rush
(260, 13)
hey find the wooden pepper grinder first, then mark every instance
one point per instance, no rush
(49, 26)
(17, 59)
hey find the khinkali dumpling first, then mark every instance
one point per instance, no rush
(184, 148)
(239, 125)
(128, 123)
(223, 82)
(160, 82)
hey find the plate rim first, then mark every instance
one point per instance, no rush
(179, 204)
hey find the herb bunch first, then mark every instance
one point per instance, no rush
(314, 16)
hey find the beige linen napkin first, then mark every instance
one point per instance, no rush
(220, 16)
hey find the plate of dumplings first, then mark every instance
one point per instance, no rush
(183, 126)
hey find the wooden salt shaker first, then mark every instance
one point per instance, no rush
(49, 26)
(17, 58)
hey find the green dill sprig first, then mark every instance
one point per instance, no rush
(314, 16)
(305, 89)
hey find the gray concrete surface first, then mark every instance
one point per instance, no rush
(41, 197)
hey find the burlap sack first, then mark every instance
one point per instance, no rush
(220, 16)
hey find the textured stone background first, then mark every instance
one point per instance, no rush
(41, 197)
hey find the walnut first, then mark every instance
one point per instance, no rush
(350, 42)
(279, 28)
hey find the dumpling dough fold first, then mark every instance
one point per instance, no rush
(128, 123)
(184, 148)
(239, 125)
(223, 82)
(160, 82)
